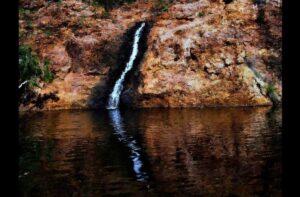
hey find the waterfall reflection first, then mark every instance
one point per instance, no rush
(130, 142)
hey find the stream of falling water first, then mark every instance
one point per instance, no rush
(115, 115)
(114, 97)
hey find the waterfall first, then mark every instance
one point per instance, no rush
(114, 96)
(129, 141)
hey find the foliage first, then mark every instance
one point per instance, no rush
(24, 12)
(164, 8)
(29, 24)
(47, 75)
(256, 73)
(47, 32)
(270, 89)
(30, 68)
(200, 14)
(28, 64)
(271, 92)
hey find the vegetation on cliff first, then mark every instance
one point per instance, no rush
(31, 69)
(199, 53)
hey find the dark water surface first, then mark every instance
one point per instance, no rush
(153, 152)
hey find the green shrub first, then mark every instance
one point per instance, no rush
(29, 68)
(29, 24)
(24, 12)
(164, 8)
(270, 89)
(33, 81)
(47, 32)
(200, 14)
(257, 74)
(271, 92)
(28, 64)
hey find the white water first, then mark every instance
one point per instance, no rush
(114, 96)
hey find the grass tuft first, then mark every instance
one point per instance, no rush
(270, 89)
(200, 14)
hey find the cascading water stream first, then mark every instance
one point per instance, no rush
(114, 97)
(115, 115)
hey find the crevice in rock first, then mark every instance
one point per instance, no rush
(176, 58)
(264, 26)
(184, 18)
(259, 80)
(257, 77)
(177, 51)
(193, 56)
(259, 87)
(274, 64)
(227, 1)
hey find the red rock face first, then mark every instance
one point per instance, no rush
(207, 54)
(82, 45)
(200, 53)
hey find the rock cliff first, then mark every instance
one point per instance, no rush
(199, 53)
(209, 53)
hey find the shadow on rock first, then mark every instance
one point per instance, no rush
(100, 93)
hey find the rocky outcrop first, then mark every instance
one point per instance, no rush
(199, 53)
(82, 42)
(209, 53)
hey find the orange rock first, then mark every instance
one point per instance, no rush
(220, 57)
(218, 42)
